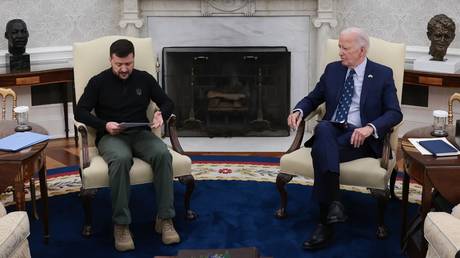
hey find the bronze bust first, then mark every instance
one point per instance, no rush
(441, 32)
(17, 35)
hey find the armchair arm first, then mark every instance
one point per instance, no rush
(386, 152)
(14, 229)
(441, 230)
(301, 129)
(387, 146)
(298, 138)
(173, 135)
(83, 131)
(2, 210)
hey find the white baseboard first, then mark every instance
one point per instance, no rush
(51, 117)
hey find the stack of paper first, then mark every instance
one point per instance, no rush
(125, 125)
(19, 141)
(439, 147)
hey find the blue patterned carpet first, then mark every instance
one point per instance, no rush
(231, 214)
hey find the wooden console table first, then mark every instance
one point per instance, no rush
(432, 173)
(16, 168)
(44, 77)
(431, 79)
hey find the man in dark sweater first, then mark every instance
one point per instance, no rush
(122, 94)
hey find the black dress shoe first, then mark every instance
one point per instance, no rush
(336, 213)
(320, 238)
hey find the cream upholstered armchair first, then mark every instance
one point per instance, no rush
(442, 231)
(371, 173)
(90, 58)
(14, 230)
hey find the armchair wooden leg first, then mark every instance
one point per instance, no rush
(87, 196)
(189, 182)
(393, 176)
(382, 197)
(281, 180)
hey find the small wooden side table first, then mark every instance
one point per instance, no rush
(442, 174)
(16, 168)
(431, 79)
(45, 77)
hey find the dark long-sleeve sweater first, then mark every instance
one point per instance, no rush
(117, 100)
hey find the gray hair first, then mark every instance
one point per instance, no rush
(362, 37)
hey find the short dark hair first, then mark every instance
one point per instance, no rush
(121, 48)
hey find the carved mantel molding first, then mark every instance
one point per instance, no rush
(135, 11)
(228, 7)
(234, 7)
(321, 13)
(324, 21)
(130, 21)
(325, 15)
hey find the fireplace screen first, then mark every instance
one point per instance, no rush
(228, 91)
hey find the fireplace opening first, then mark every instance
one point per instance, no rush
(228, 91)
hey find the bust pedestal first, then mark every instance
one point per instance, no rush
(449, 65)
(17, 63)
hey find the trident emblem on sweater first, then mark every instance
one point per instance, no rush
(139, 91)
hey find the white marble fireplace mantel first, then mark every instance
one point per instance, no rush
(301, 25)
(135, 13)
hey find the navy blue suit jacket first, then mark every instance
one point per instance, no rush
(379, 103)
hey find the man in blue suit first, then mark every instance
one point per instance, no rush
(361, 107)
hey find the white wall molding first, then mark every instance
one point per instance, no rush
(45, 57)
(228, 8)
(413, 52)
